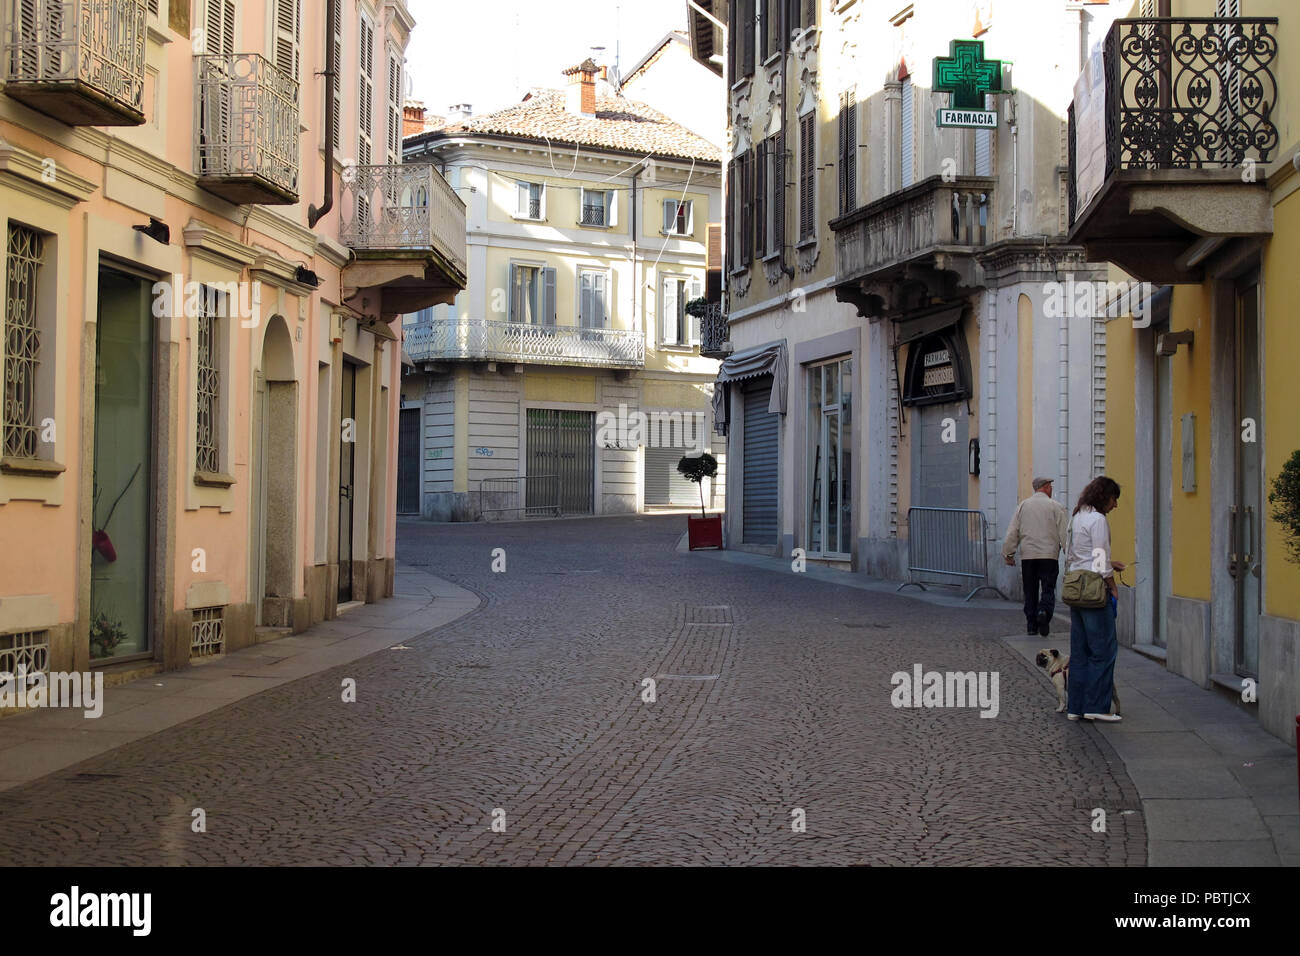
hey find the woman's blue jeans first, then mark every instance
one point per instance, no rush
(1093, 648)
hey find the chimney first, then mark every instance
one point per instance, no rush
(459, 113)
(580, 97)
(412, 118)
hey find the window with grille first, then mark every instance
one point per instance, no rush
(593, 298)
(207, 378)
(677, 217)
(807, 176)
(22, 342)
(597, 207)
(848, 164)
(28, 651)
(207, 632)
(529, 204)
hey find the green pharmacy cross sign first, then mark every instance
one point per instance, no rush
(968, 77)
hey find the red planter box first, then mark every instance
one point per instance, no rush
(704, 532)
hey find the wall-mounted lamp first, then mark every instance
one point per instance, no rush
(305, 276)
(973, 457)
(1167, 342)
(157, 230)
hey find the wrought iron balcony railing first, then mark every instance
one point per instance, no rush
(246, 145)
(713, 332)
(80, 61)
(930, 216)
(1176, 93)
(409, 208)
(498, 341)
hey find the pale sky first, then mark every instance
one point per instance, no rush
(488, 53)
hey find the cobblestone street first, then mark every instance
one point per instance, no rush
(773, 694)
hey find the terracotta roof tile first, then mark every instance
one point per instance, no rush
(618, 124)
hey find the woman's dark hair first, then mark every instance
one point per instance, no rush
(1098, 493)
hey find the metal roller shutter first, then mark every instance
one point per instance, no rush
(760, 466)
(664, 485)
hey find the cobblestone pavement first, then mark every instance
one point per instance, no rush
(772, 694)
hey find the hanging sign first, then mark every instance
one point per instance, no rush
(968, 77)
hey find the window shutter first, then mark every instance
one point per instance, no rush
(611, 205)
(694, 320)
(516, 294)
(670, 215)
(747, 209)
(760, 198)
(747, 38)
(791, 24)
(366, 93)
(288, 33)
(548, 297)
(600, 297)
(220, 40)
(807, 181)
(521, 205)
(809, 13)
(394, 109)
(669, 333)
(713, 247)
(778, 194)
(906, 142)
(848, 165)
(336, 100)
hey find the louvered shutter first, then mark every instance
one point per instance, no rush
(760, 198)
(394, 109)
(747, 209)
(336, 99)
(778, 194)
(366, 92)
(611, 206)
(809, 13)
(848, 164)
(288, 36)
(807, 158)
(548, 297)
(907, 139)
(670, 215)
(670, 333)
(713, 247)
(220, 39)
(747, 38)
(984, 148)
(26, 62)
(515, 307)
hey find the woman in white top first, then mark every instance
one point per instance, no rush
(1093, 646)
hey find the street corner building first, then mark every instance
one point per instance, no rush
(209, 238)
(1203, 210)
(568, 378)
(896, 367)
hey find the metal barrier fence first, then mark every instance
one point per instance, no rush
(532, 495)
(948, 542)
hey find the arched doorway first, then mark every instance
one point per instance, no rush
(275, 474)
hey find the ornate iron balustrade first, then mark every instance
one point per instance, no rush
(932, 215)
(1188, 93)
(498, 341)
(409, 207)
(81, 61)
(713, 331)
(246, 147)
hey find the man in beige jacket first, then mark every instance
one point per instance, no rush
(1039, 529)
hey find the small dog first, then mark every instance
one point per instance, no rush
(1057, 666)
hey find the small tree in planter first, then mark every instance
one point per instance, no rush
(706, 530)
(1285, 499)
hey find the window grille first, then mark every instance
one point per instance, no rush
(207, 632)
(22, 342)
(28, 650)
(207, 386)
(595, 208)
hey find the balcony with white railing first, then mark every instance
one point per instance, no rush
(406, 228)
(246, 144)
(80, 61)
(490, 340)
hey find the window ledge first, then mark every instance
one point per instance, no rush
(213, 479)
(806, 242)
(677, 235)
(516, 216)
(33, 467)
(675, 347)
(772, 256)
(742, 270)
(592, 225)
(741, 83)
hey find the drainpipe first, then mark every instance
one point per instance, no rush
(314, 213)
(636, 283)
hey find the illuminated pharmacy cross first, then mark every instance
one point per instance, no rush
(967, 75)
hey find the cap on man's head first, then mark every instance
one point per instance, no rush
(1039, 482)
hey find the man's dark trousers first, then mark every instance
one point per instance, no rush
(1039, 578)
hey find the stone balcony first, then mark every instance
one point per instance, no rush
(928, 232)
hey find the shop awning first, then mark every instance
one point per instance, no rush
(770, 359)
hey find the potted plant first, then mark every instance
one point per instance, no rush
(1285, 499)
(105, 634)
(706, 530)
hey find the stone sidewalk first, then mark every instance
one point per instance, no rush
(44, 741)
(1216, 789)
